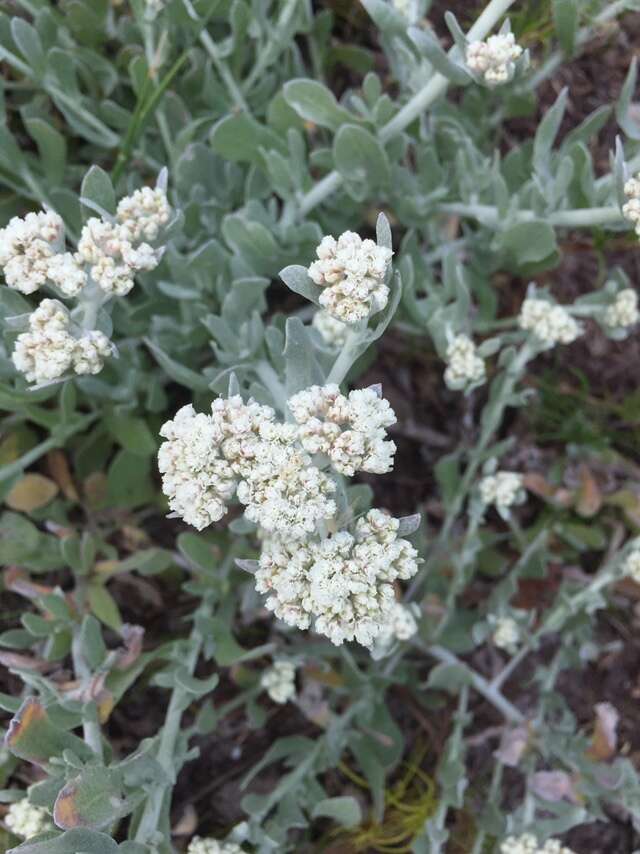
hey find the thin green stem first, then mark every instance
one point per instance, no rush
(90, 725)
(581, 218)
(272, 383)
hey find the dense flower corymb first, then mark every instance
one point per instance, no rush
(333, 331)
(494, 59)
(198, 845)
(550, 324)
(279, 681)
(503, 489)
(351, 430)
(623, 311)
(26, 820)
(631, 208)
(506, 633)
(631, 566)
(528, 844)
(464, 366)
(352, 273)
(343, 584)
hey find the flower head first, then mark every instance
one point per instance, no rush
(494, 59)
(26, 820)
(623, 311)
(279, 681)
(465, 367)
(631, 208)
(550, 324)
(506, 633)
(503, 489)
(631, 565)
(333, 331)
(528, 844)
(352, 273)
(27, 247)
(198, 845)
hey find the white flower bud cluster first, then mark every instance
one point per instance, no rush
(48, 350)
(352, 273)
(279, 681)
(528, 844)
(240, 448)
(503, 489)
(631, 208)
(494, 59)
(506, 633)
(332, 330)
(343, 584)
(30, 255)
(116, 251)
(351, 430)
(401, 626)
(631, 566)
(26, 820)
(464, 366)
(198, 845)
(551, 324)
(623, 312)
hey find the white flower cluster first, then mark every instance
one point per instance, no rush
(401, 626)
(332, 330)
(198, 845)
(464, 366)
(26, 820)
(631, 208)
(503, 489)
(49, 349)
(506, 633)
(551, 324)
(528, 844)
(351, 430)
(116, 250)
(623, 312)
(31, 256)
(241, 448)
(352, 273)
(494, 59)
(343, 584)
(631, 566)
(279, 681)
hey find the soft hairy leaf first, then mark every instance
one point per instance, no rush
(315, 103)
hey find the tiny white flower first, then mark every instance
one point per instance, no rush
(623, 311)
(333, 331)
(550, 324)
(26, 820)
(528, 844)
(279, 681)
(352, 273)
(502, 489)
(631, 208)
(631, 565)
(465, 367)
(506, 633)
(27, 247)
(494, 59)
(198, 845)
(90, 351)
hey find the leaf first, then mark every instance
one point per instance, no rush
(547, 132)
(129, 482)
(181, 374)
(302, 369)
(98, 191)
(297, 279)
(27, 39)
(530, 247)
(198, 551)
(383, 232)
(93, 799)
(132, 433)
(565, 19)
(316, 103)
(52, 147)
(408, 525)
(33, 737)
(623, 108)
(31, 492)
(430, 48)
(241, 138)
(344, 810)
(554, 786)
(449, 677)
(359, 156)
(104, 606)
(388, 19)
(80, 841)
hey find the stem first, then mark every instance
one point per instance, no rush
(345, 358)
(580, 218)
(496, 779)
(90, 725)
(273, 385)
(412, 109)
(274, 46)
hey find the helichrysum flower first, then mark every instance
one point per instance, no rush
(343, 584)
(279, 681)
(528, 844)
(623, 311)
(116, 250)
(352, 273)
(465, 367)
(506, 633)
(494, 59)
(351, 430)
(198, 845)
(631, 208)
(631, 566)
(333, 331)
(503, 489)
(550, 324)
(48, 350)
(27, 820)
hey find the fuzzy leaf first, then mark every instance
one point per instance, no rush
(315, 103)
(360, 157)
(97, 190)
(93, 799)
(33, 737)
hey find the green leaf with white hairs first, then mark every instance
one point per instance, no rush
(566, 15)
(316, 103)
(28, 41)
(301, 367)
(344, 810)
(431, 50)
(629, 125)
(360, 157)
(97, 192)
(52, 147)
(297, 279)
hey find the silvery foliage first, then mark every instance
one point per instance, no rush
(264, 161)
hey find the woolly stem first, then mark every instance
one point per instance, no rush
(580, 218)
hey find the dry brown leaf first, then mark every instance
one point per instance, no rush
(554, 786)
(588, 497)
(95, 488)
(187, 824)
(59, 470)
(31, 492)
(605, 737)
(513, 744)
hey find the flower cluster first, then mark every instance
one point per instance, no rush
(49, 349)
(342, 584)
(26, 820)
(279, 681)
(506, 633)
(631, 208)
(464, 366)
(623, 311)
(351, 430)
(198, 845)
(494, 59)
(631, 566)
(241, 448)
(115, 251)
(332, 330)
(352, 273)
(528, 844)
(401, 626)
(503, 489)
(31, 256)
(550, 324)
